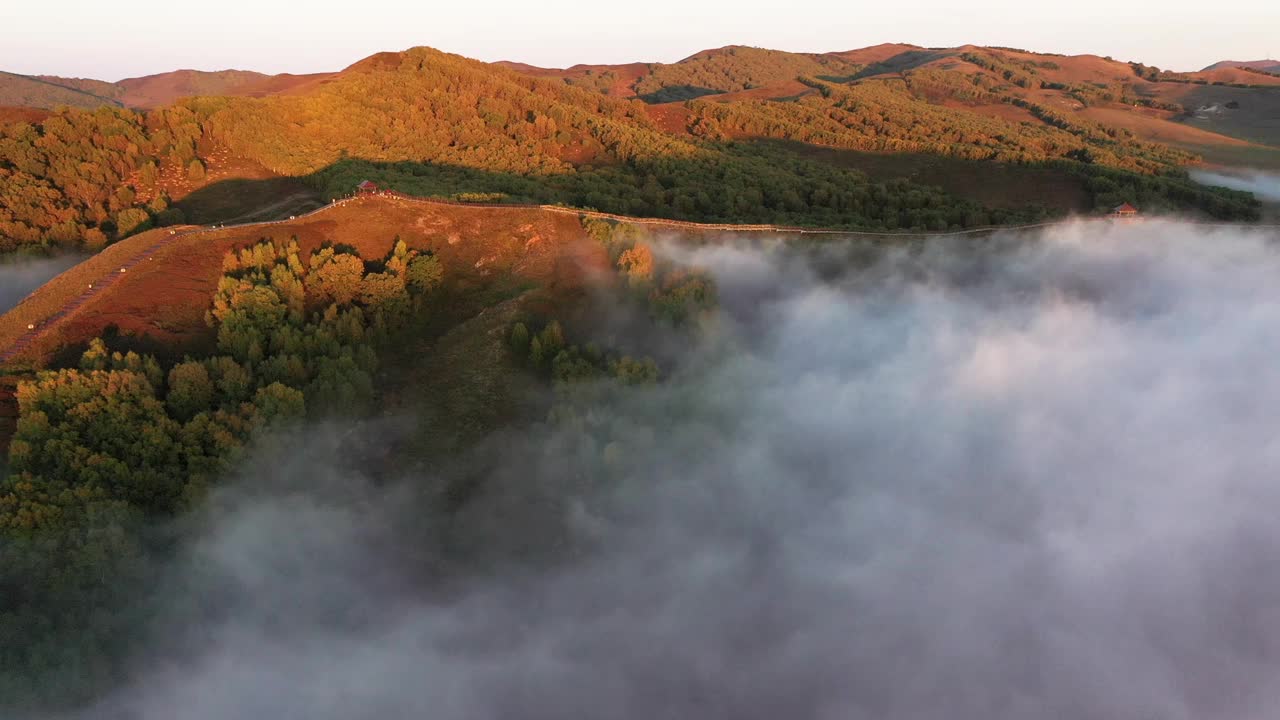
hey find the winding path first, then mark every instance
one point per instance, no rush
(34, 333)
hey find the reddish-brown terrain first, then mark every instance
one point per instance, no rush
(1267, 65)
(877, 53)
(161, 299)
(165, 88)
(149, 91)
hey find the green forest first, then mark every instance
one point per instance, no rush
(430, 123)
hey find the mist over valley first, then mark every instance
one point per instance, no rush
(945, 479)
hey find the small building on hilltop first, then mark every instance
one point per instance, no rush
(367, 187)
(1124, 210)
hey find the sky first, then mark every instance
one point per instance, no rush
(111, 41)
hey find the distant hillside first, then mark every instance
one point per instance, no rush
(49, 91)
(153, 90)
(1272, 66)
(732, 69)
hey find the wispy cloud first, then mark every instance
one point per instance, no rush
(1264, 185)
(19, 277)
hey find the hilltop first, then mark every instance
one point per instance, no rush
(1272, 66)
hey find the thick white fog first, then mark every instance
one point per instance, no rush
(18, 278)
(1264, 185)
(974, 479)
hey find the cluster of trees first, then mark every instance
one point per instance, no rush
(938, 86)
(734, 68)
(588, 385)
(600, 428)
(1109, 187)
(85, 178)
(674, 294)
(121, 439)
(546, 352)
(1019, 72)
(602, 82)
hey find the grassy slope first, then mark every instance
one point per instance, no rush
(38, 92)
(1256, 120)
(162, 302)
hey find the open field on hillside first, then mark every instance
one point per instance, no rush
(160, 304)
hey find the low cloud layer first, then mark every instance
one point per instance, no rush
(1264, 185)
(18, 278)
(1007, 478)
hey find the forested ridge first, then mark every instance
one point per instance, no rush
(735, 68)
(427, 122)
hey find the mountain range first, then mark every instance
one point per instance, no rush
(890, 137)
(625, 80)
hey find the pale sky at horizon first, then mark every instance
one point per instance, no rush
(110, 41)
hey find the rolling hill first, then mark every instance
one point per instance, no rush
(884, 138)
(1272, 66)
(49, 91)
